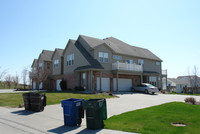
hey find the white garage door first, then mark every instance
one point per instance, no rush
(40, 85)
(34, 85)
(58, 88)
(105, 84)
(123, 84)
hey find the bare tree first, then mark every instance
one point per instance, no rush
(193, 79)
(2, 74)
(8, 80)
(195, 83)
(16, 80)
(24, 76)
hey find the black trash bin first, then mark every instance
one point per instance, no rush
(96, 112)
(37, 101)
(26, 98)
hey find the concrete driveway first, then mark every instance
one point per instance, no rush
(19, 121)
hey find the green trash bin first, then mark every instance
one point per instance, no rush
(96, 112)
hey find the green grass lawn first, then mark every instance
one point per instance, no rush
(14, 99)
(158, 119)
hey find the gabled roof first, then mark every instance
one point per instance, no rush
(120, 47)
(177, 81)
(189, 79)
(59, 51)
(70, 40)
(34, 62)
(94, 64)
(46, 55)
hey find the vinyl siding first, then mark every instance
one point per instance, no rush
(79, 60)
(56, 70)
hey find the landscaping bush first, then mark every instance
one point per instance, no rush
(79, 88)
(63, 84)
(190, 100)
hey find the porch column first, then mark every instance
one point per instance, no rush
(141, 78)
(100, 81)
(117, 82)
(90, 80)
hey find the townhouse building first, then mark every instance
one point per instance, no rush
(101, 65)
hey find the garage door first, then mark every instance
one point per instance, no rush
(123, 84)
(58, 88)
(105, 84)
(40, 85)
(34, 85)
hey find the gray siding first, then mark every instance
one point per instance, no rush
(79, 60)
(150, 65)
(102, 48)
(56, 70)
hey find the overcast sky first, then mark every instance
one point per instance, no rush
(168, 28)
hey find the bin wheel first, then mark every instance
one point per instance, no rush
(42, 109)
(79, 121)
(102, 124)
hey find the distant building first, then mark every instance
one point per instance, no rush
(176, 85)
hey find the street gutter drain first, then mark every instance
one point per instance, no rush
(178, 124)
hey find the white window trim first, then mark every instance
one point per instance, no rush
(157, 63)
(40, 65)
(70, 59)
(104, 57)
(56, 62)
(140, 61)
(117, 57)
(129, 61)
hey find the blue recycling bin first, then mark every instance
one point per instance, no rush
(72, 111)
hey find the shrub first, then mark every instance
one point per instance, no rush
(190, 100)
(63, 84)
(80, 88)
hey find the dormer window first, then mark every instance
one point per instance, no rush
(103, 57)
(56, 62)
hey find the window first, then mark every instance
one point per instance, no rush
(117, 57)
(84, 78)
(40, 65)
(34, 68)
(152, 80)
(158, 63)
(129, 61)
(103, 57)
(48, 65)
(56, 62)
(140, 61)
(70, 59)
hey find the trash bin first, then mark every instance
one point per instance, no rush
(96, 112)
(37, 101)
(26, 98)
(72, 111)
